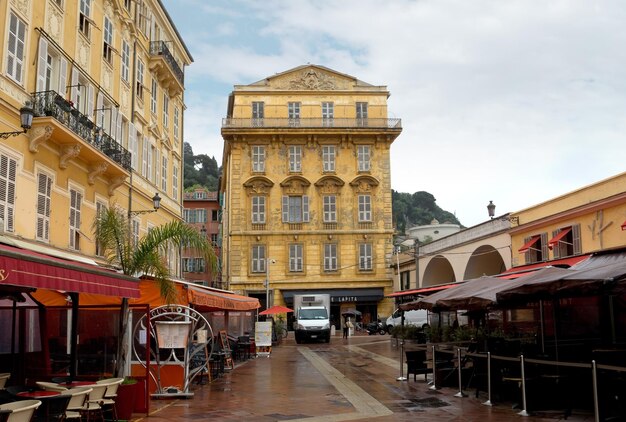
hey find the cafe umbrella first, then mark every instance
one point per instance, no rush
(276, 309)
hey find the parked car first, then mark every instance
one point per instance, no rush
(418, 317)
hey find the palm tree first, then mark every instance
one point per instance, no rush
(145, 256)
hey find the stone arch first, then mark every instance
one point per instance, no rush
(485, 260)
(364, 183)
(258, 185)
(329, 184)
(296, 185)
(438, 271)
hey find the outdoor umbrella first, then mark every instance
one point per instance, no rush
(277, 309)
(351, 313)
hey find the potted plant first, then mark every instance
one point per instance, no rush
(125, 400)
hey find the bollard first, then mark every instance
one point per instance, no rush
(488, 402)
(523, 412)
(401, 377)
(594, 378)
(434, 386)
(459, 370)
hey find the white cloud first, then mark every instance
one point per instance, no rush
(515, 101)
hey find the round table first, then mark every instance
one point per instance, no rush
(37, 394)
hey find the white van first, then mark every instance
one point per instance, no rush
(418, 317)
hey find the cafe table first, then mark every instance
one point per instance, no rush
(73, 384)
(43, 412)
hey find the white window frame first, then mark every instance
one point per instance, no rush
(135, 225)
(328, 158)
(257, 259)
(125, 63)
(295, 209)
(84, 19)
(164, 164)
(107, 36)
(258, 158)
(100, 208)
(364, 157)
(166, 110)
(139, 84)
(153, 96)
(331, 260)
(330, 208)
(366, 262)
(16, 48)
(8, 176)
(296, 257)
(295, 158)
(258, 209)
(176, 121)
(365, 208)
(175, 181)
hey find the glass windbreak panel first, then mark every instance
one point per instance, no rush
(305, 313)
(97, 346)
(234, 323)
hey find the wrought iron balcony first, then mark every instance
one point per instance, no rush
(308, 123)
(50, 103)
(159, 48)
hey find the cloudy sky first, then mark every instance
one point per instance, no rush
(514, 101)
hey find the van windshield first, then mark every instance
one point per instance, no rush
(313, 314)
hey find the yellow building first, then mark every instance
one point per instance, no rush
(573, 225)
(105, 81)
(307, 189)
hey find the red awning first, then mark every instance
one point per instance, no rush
(22, 267)
(515, 272)
(560, 235)
(529, 244)
(624, 225)
(431, 289)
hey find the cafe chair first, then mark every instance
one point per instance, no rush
(4, 377)
(4, 414)
(76, 404)
(22, 410)
(50, 386)
(93, 405)
(108, 402)
(416, 364)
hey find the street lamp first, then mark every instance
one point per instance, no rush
(491, 209)
(26, 121)
(268, 261)
(156, 203)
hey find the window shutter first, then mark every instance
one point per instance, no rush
(544, 246)
(63, 77)
(285, 209)
(74, 91)
(144, 157)
(118, 130)
(8, 169)
(132, 140)
(91, 94)
(576, 239)
(41, 64)
(305, 208)
(99, 112)
(527, 253)
(157, 168)
(556, 250)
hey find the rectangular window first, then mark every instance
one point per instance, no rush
(258, 210)
(363, 157)
(133, 146)
(76, 200)
(258, 113)
(365, 257)
(176, 121)
(153, 96)
(100, 209)
(84, 21)
(328, 158)
(330, 257)
(361, 114)
(44, 191)
(125, 61)
(365, 208)
(139, 87)
(200, 265)
(330, 208)
(135, 232)
(258, 259)
(295, 209)
(15, 48)
(166, 110)
(107, 49)
(328, 113)
(175, 181)
(258, 158)
(215, 215)
(214, 239)
(296, 257)
(294, 114)
(144, 156)
(566, 242)
(164, 174)
(535, 248)
(8, 170)
(188, 265)
(295, 158)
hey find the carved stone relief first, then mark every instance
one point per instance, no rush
(67, 153)
(54, 23)
(37, 136)
(310, 79)
(83, 52)
(23, 6)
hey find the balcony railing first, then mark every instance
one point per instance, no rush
(159, 48)
(228, 123)
(50, 103)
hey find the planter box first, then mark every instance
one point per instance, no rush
(125, 400)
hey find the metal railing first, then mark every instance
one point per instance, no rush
(159, 48)
(52, 104)
(312, 123)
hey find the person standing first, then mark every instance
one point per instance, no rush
(345, 327)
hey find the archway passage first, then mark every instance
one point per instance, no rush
(438, 271)
(485, 260)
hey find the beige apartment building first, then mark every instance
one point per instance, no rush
(307, 190)
(104, 80)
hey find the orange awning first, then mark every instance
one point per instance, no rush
(529, 244)
(219, 300)
(560, 235)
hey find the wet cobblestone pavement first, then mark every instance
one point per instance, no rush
(348, 379)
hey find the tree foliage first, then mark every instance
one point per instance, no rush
(417, 209)
(200, 169)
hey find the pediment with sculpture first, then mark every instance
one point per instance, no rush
(258, 185)
(295, 185)
(364, 183)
